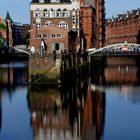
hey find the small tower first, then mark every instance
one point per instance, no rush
(9, 38)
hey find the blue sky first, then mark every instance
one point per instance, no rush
(114, 7)
(19, 9)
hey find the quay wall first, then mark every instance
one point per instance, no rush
(49, 69)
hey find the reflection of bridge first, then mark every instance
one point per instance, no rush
(20, 49)
(126, 49)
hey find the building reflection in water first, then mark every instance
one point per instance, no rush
(121, 75)
(11, 75)
(77, 109)
(73, 111)
(0, 109)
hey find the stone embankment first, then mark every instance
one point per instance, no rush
(49, 69)
(44, 70)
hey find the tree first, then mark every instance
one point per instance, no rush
(2, 26)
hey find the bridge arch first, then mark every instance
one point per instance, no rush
(117, 49)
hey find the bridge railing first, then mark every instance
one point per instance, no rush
(117, 49)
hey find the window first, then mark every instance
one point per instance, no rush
(41, 1)
(37, 13)
(45, 13)
(48, 23)
(58, 13)
(51, 13)
(44, 36)
(38, 25)
(57, 46)
(73, 19)
(56, 35)
(56, 1)
(63, 24)
(53, 35)
(65, 13)
(39, 36)
(73, 12)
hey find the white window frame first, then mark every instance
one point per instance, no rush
(52, 13)
(37, 13)
(63, 24)
(65, 13)
(45, 13)
(58, 13)
(48, 23)
(38, 25)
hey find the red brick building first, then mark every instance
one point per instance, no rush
(55, 38)
(88, 25)
(125, 27)
(55, 18)
(84, 17)
(93, 23)
(100, 23)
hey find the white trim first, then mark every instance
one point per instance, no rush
(75, 5)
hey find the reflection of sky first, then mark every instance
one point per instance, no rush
(13, 65)
(130, 93)
(15, 116)
(122, 118)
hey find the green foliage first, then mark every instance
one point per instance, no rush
(1, 42)
(27, 37)
(2, 26)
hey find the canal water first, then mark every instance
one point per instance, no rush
(103, 106)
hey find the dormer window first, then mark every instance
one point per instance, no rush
(41, 1)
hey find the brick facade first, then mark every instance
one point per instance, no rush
(93, 25)
(54, 18)
(67, 14)
(52, 36)
(125, 27)
(100, 23)
(88, 25)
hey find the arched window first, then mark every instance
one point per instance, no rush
(52, 13)
(63, 24)
(45, 13)
(73, 12)
(37, 13)
(59, 13)
(65, 13)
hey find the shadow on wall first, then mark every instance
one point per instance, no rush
(138, 37)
